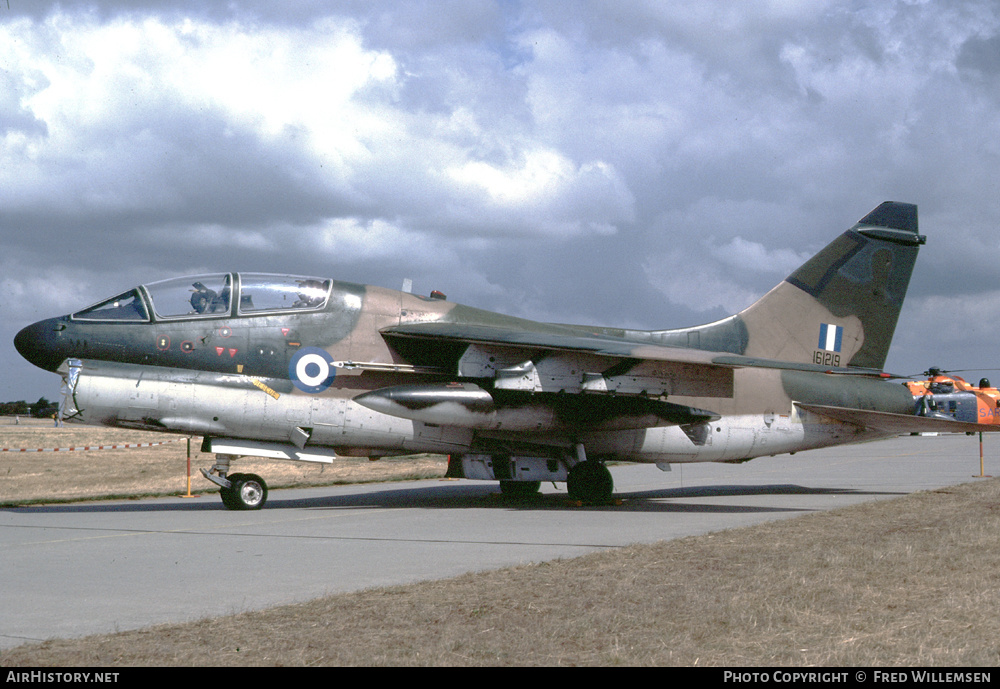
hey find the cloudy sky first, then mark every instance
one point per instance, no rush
(635, 164)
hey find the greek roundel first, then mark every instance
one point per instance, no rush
(312, 369)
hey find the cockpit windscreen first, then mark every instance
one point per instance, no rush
(259, 292)
(203, 295)
(208, 296)
(124, 307)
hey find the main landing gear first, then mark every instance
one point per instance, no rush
(238, 491)
(590, 481)
(587, 480)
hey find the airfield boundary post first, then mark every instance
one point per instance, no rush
(982, 466)
(188, 494)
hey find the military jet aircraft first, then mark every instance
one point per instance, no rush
(304, 368)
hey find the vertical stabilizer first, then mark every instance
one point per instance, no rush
(840, 308)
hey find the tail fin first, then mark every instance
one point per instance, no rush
(839, 309)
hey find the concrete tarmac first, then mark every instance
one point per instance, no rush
(99, 567)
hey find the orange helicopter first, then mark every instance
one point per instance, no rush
(943, 395)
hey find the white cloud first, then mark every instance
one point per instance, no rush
(116, 90)
(584, 199)
(376, 240)
(542, 174)
(745, 255)
(686, 281)
(214, 238)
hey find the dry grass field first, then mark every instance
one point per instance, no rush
(905, 582)
(27, 477)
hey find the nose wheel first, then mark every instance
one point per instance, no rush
(238, 491)
(246, 492)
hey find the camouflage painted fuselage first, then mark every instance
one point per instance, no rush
(348, 369)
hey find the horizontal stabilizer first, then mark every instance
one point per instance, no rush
(895, 423)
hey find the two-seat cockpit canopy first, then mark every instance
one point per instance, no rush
(220, 295)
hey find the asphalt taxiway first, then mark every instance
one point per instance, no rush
(99, 567)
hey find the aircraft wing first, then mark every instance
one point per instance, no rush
(556, 338)
(896, 423)
(563, 359)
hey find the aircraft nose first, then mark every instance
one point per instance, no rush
(39, 343)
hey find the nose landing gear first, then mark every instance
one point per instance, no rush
(238, 491)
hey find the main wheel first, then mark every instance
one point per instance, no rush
(590, 481)
(248, 492)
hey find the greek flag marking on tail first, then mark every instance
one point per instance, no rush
(830, 337)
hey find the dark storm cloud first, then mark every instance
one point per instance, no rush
(981, 55)
(636, 164)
